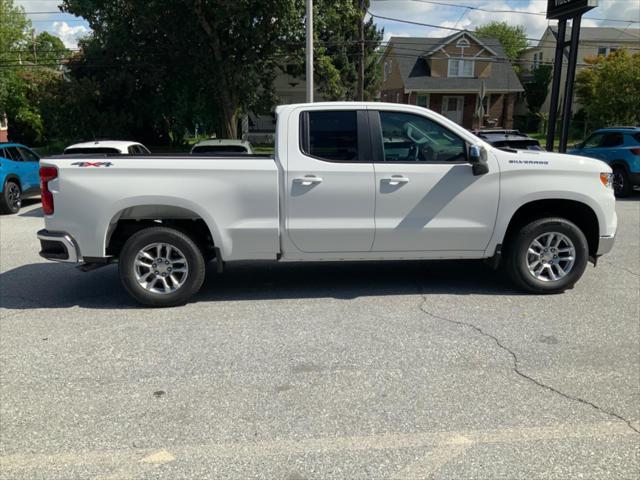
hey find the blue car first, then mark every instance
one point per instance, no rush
(19, 176)
(620, 148)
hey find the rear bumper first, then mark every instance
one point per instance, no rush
(58, 246)
(605, 245)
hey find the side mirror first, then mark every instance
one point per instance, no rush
(478, 160)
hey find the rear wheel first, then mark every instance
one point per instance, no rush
(547, 256)
(161, 267)
(11, 198)
(621, 182)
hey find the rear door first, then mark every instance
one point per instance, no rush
(15, 165)
(610, 147)
(329, 181)
(427, 198)
(31, 167)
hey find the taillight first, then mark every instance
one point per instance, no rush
(635, 151)
(46, 175)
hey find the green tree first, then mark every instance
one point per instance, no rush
(512, 38)
(537, 89)
(45, 49)
(609, 89)
(159, 67)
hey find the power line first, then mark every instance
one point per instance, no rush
(517, 12)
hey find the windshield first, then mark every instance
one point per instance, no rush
(219, 149)
(91, 151)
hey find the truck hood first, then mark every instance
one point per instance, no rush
(549, 161)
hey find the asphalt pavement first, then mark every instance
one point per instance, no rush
(353, 370)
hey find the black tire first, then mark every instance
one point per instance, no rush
(11, 198)
(193, 258)
(621, 182)
(517, 255)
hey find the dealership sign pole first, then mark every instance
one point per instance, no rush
(562, 10)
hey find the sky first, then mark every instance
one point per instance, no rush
(444, 13)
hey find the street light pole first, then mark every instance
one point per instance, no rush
(309, 51)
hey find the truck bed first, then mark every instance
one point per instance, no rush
(239, 191)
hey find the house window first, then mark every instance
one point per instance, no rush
(486, 103)
(460, 68)
(537, 58)
(605, 51)
(386, 70)
(422, 100)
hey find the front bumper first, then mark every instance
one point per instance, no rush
(58, 246)
(605, 245)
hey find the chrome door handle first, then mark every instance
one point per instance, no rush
(308, 180)
(396, 180)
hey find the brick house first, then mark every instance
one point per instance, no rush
(4, 128)
(447, 75)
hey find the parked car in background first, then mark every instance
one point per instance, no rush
(512, 139)
(108, 147)
(222, 145)
(18, 176)
(620, 148)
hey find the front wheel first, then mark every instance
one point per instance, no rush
(548, 255)
(621, 183)
(161, 267)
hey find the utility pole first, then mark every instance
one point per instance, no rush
(310, 51)
(360, 91)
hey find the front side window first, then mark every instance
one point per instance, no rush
(594, 141)
(413, 138)
(331, 135)
(460, 68)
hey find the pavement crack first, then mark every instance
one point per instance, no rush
(516, 366)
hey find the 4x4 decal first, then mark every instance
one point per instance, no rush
(92, 164)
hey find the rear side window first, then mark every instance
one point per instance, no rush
(331, 135)
(636, 137)
(28, 155)
(12, 153)
(612, 140)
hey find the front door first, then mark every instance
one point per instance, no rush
(427, 198)
(453, 108)
(330, 184)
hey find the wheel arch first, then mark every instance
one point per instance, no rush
(12, 177)
(575, 211)
(137, 216)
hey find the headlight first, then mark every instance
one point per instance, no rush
(607, 179)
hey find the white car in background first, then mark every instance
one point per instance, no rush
(107, 147)
(222, 145)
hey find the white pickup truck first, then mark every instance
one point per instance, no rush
(349, 181)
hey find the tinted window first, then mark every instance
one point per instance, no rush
(412, 138)
(12, 153)
(332, 136)
(28, 155)
(219, 149)
(91, 151)
(636, 137)
(612, 140)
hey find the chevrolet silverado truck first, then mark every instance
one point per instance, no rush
(348, 181)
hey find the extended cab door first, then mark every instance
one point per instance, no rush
(330, 193)
(427, 197)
